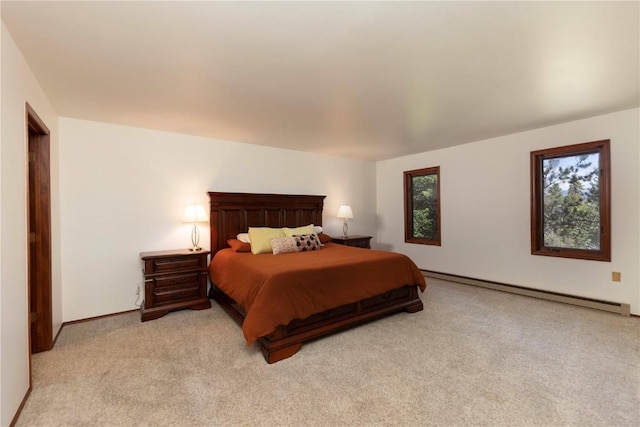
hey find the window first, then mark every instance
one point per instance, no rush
(570, 201)
(422, 206)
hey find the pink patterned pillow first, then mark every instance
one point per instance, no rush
(284, 245)
(307, 242)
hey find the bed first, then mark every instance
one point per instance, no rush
(233, 213)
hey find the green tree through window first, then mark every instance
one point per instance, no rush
(422, 206)
(570, 201)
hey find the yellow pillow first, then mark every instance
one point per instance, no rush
(260, 236)
(299, 231)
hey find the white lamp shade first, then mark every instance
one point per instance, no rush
(194, 213)
(345, 212)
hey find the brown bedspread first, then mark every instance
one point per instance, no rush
(276, 289)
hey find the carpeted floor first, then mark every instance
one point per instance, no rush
(472, 357)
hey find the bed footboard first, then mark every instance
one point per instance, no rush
(285, 341)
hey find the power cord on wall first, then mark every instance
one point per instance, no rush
(137, 304)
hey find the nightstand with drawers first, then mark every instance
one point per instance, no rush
(355, 241)
(174, 280)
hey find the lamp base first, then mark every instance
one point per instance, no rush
(195, 238)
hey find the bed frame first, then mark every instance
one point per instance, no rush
(233, 213)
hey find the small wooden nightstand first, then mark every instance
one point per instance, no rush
(174, 280)
(356, 241)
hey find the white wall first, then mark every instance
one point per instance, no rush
(485, 209)
(123, 191)
(20, 86)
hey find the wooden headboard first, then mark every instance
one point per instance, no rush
(233, 213)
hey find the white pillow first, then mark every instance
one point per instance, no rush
(243, 237)
(318, 229)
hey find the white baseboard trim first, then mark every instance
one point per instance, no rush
(614, 307)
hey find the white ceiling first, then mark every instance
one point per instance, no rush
(369, 80)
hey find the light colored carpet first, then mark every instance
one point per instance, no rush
(472, 357)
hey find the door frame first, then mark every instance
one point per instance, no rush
(39, 233)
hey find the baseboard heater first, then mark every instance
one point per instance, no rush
(614, 307)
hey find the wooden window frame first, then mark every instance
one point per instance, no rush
(408, 206)
(537, 201)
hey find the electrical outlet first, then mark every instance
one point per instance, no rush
(616, 276)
